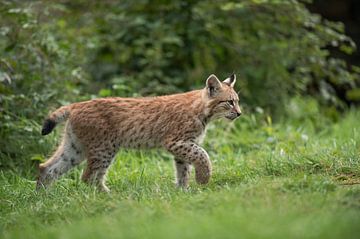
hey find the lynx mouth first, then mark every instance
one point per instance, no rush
(230, 117)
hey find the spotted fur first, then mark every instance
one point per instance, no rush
(95, 130)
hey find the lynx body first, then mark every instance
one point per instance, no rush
(95, 130)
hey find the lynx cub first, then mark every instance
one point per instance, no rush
(97, 129)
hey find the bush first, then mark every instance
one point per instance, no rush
(279, 49)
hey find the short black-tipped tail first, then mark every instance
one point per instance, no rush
(48, 126)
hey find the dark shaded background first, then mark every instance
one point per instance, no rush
(346, 11)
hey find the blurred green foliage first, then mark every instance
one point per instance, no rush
(56, 52)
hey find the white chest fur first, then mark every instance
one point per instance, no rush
(200, 139)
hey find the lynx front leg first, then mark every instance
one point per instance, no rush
(182, 173)
(191, 153)
(97, 166)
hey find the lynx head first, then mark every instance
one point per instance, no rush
(221, 99)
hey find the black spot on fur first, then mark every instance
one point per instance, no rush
(73, 146)
(48, 126)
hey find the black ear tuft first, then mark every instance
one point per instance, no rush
(230, 81)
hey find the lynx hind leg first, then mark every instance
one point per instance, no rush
(182, 173)
(68, 154)
(192, 153)
(98, 163)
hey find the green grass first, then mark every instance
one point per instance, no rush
(296, 179)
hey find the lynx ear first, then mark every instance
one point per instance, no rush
(213, 85)
(231, 80)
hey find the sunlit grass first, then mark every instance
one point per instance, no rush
(288, 180)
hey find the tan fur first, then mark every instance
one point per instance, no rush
(97, 129)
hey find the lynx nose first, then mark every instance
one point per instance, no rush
(238, 114)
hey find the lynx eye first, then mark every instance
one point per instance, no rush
(230, 102)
